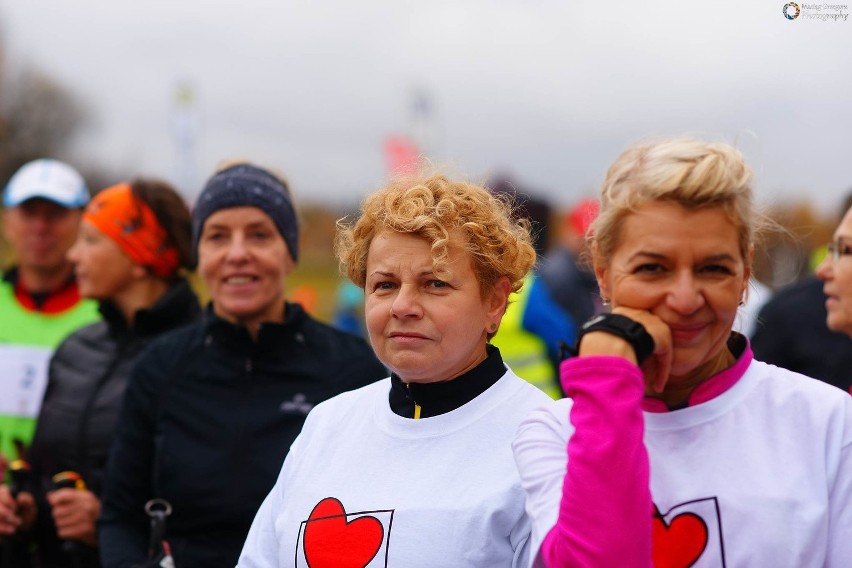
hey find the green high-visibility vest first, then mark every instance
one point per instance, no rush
(524, 352)
(27, 341)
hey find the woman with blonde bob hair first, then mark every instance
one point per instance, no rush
(682, 450)
(415, 470)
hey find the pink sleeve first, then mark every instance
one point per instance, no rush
(605, 511)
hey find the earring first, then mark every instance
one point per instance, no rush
(604, 301)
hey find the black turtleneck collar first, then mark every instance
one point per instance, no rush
(177, 305)
(269, 334)
(439, 398)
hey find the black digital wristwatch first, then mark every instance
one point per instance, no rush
(621, 326)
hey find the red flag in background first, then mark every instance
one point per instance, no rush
(402, 157)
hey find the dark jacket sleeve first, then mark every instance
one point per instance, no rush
(123, 525)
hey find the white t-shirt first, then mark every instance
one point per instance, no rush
(759, 476)
(364, 487)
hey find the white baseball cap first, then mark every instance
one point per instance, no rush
(48, 179)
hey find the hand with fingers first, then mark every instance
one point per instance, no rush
(649, 345)
(17, 512)
(75, 512)
(657, 366)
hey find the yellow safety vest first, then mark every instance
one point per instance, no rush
(524, 352)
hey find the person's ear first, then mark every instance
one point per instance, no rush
(139, 272)
(498, 302)
(289, 264)
(601, 273)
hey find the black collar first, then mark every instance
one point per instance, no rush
(269, 336)
(439, 398)
(178, 305)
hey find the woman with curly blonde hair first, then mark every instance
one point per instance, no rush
(415, 470)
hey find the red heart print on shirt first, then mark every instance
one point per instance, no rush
(332, 542)
(680, 543)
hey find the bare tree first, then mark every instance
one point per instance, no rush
(38, 118)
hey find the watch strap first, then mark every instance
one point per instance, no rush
(621, 326)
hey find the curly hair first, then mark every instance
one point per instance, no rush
(434, 208)
(689, 172)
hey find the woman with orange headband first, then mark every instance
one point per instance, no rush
(133, 241)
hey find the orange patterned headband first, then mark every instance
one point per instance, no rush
(127, 220)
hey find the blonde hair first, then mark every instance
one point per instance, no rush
(689, 172)
(433, 208)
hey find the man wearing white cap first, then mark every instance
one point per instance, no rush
(39, 302)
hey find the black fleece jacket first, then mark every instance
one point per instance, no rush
(209, 416)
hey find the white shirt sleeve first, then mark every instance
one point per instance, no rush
(840, 502)
(539, 449)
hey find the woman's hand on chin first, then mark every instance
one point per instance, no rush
(657, 367)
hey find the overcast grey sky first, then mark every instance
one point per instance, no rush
(549, 90)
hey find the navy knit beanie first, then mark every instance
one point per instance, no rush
(245, 185)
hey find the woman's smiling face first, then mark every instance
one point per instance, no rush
(244, 261)
(685, 267)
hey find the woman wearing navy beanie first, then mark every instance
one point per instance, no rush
(211, 409)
